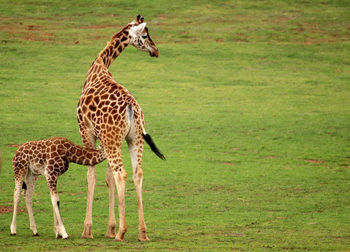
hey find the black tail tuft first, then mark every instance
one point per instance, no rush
(24, 186)
(153, 146)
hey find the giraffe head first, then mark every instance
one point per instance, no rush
(140, 37)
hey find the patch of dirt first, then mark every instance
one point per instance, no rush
(323, 37)
(9, 209)
(243, 18)
(295, 248)
(220, 188)
(33, 28)
(77, 193)
(280, 19)
(13, 145)
(227, 163)
(28, 32)
(98, 37)
(162, 17)
(270, 157)
(235, 234)
(312, 41)
(95, 27)
(313, 161)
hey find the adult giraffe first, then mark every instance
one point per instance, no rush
(107, 111)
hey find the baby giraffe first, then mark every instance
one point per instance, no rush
(50, 158)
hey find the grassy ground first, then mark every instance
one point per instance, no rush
(249, 100)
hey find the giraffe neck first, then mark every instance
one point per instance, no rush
(114, 47)
(85, 156)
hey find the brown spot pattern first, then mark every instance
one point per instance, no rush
(52, 157)
(103, 108)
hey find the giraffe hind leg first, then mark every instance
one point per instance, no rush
(111, 189)
(16, 199)
(120, 180)
(29, 190)
(136, 149)
(20, 171)
(119, 175)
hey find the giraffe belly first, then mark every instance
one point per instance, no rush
(37, 168)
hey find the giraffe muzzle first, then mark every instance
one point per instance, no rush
(155, 53)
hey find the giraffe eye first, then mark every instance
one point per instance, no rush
(144, 36)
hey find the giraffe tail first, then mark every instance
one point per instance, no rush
(147, 137)
(153, 146)
(24, 187)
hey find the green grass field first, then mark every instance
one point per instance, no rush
(249, 101)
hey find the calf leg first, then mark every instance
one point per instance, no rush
(31, 179)
(58, 223)
(16, 199)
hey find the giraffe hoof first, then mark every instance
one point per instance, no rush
(65, 238)
(143, 235)
(118, 239)
(58, 236)
(111, 232)
(13, 234)
(144, 239)
(36, 234)
(87, 236)
(110, 235)
(120, 235)
(87, 232)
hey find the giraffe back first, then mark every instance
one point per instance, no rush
(53, 154)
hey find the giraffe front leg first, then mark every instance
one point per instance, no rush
(91, 180)
(55, 225)
(59, 228)
(111, 187)
(90, 142)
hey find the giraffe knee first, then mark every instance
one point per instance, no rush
(120, 172)
(121, 175)
(138, 174)
(110, 182)
(53, 188)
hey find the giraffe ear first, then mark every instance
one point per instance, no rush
(139, 28)
(139, 19)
